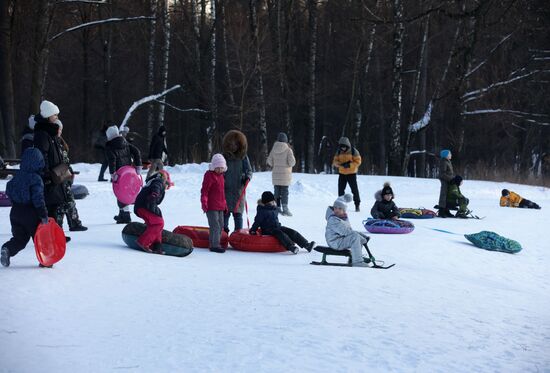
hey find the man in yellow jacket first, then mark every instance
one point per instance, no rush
(347, 159)
(511, 199)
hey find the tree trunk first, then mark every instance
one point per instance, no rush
(7, 105)
(107, 40)
(40, 52)
(397, 87)
(312, 28)
(212, 129)
(382, 127)
(151, 69)
(166, 56)
(226, 58)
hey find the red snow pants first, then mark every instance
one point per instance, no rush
(154, 223)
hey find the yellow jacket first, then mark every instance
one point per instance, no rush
(512, 200)
(352, 156)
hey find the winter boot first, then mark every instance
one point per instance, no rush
(5, 256)
(444, 213)
(123, 217)
(217, 250)
(357, 209)
(286, 211)
(78, 228)
(43, 266)
(360, 264)
(294, 249)
(67, 239)
(462, 215)
(157, 248)
(310, 246)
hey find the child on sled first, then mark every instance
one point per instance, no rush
(26, 191)
(146, 207)
(268, 221)
(511, 199)
(213, 200)
(339, 233)
(455, 199)
(385, 207)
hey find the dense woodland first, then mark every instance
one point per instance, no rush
(402, 79)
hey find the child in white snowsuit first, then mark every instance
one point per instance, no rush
(340, 235)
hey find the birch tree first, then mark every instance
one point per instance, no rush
(165, 56)
(312, 29)
(151, 68)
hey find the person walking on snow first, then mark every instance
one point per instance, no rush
(26, 192)
(157, 151)
(121, 153)
(213, 200)
(340, 235)
(347, 159)
(281, 160)
(147, 207)
(446, 174)
(266, 219)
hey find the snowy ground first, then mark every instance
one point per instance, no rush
(445, 307)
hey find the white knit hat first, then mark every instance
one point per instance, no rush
(218, 161)
(341, 201)
(47, 109)
(112, 132)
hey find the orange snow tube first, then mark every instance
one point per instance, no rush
(199, 236)
(241, 240)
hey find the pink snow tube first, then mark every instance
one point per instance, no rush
(128, 185)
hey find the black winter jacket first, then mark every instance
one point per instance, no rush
(157, 147)
(383, 209)
(47, 141)
(151, 195)
(266, 219)
(121, 153)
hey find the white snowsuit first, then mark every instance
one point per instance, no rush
(341, 236)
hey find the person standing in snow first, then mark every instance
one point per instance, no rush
(99, 144)
(267, 220)
(347, 159)
(27, 140)
(446, 174)
(146, 207)
(340, 235)
(281, 160)
(213, 202)
(26, 191)
(120, 153)
(239, 172)
(384, 207)
(157, 149)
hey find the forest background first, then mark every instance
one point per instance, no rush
(402, 79)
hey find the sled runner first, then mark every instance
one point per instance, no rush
(388, 226)
(325, 250)
(128, 185)
(200, 235)
(49, 243)
(241, 240)
(470, 214)
(172, 244)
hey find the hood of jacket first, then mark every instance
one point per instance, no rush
(330, 212)
(234, 145)
(280, 147)
(345, 141)
(32, 160)
(117, 143)
(42, 124)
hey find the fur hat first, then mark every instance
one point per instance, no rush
(47, 109)
(456, 180)
(444, 153)
(32, 122)
(112, 132)
(505, 192)
(387, 189)
(341, 202)
(217, 161)
(282, 137)
(267, 197)
(234, 145)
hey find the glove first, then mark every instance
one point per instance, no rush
(346, 164)
(204, 208)
(114, 178)
(44, 220)
(252, 233)
(138, 169)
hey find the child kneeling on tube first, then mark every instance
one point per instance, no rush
(268, 221)
(146, 207)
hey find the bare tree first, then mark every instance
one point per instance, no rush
(7, 105)
(166, 55)
(312, 28)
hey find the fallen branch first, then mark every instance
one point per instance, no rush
(144, 100)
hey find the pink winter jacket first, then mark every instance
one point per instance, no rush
(212, 192)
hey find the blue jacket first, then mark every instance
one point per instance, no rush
(151, 195)
(266, 219)
(27, 187)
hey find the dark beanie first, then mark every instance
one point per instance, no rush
(505, 192)
(267, 197)
(282, 137)
(387, 189)
(457, 180)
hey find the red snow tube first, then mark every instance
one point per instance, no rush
(241, 240)
(199, 236)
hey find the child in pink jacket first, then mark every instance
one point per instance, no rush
(213, 200)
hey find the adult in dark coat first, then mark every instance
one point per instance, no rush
(239, 172)
(446, 174)
(121, 153)
(156, 150)
(47, 141)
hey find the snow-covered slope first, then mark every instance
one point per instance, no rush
(445, 307)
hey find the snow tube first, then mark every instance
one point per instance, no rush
(49, 243)
(388, 226)
(200, 235)
(241, 240)
(4, 200)
(491, 241)
(420, 213)
(79, 191)
(128, 185)
(172, 244)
